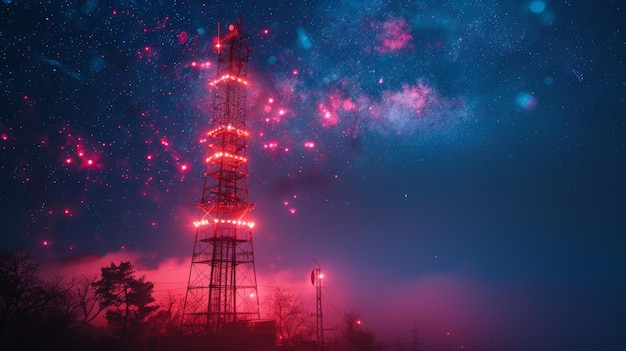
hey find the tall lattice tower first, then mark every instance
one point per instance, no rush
(222, 289)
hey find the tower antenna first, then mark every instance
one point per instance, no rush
(222, 288)
(316, 280)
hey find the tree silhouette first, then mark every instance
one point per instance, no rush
(85, 299)
(293, 321)
(127, 299)
(34, 313)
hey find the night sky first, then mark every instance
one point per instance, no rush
(460, 165)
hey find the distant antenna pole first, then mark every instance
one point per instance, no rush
(316, 279)
(218, 45)
(414, 332)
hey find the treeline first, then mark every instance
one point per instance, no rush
(59, 313)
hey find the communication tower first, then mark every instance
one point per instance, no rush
(222, 289)
(316, 280)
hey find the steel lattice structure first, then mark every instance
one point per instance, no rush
(222, 289)
(316, 279)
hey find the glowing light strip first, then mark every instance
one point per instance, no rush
(228, 76)
(227, 155)
(229, 128)
(206, 222)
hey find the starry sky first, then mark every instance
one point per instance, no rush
(460, 165)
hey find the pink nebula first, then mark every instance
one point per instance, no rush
(395, 35)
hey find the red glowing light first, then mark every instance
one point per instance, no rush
(182, 37)
(146, 48)
(266, 31)
(45, 243)
(292, 210)
(205, 222)
(228, 128)
(5, 137)
(149, 157)
(271, 146)
(270, 100)
(90, 162)
(309, 144)
(183, 167)
(295, 72)
(66, 211)
(201, 65)
(228, 77)
(68, 160)
(227, 155)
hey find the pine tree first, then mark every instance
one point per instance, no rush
(127, 299)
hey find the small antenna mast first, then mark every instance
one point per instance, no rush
(218, 46)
